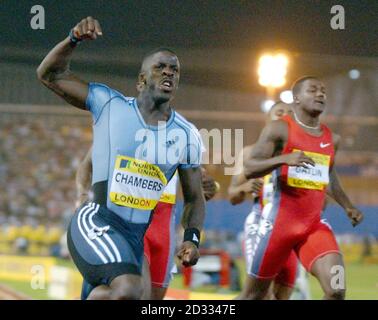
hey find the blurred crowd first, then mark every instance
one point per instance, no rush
(38, 160)
(32, 240)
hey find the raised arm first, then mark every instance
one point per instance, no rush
(262, 160)
(240, 186)
(193, 215)
(83, 178)
(54, 71)
(336, 191)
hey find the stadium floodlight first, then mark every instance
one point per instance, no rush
(287, 96)
(272, 70)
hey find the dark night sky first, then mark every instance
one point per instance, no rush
(302, 25)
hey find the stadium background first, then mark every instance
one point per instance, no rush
(42, 139)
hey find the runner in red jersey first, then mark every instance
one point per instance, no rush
(299, 151)
(261, 192)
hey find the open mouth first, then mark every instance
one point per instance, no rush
(320, 102)
(167, 85)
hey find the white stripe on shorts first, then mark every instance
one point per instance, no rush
(106, 236)
(90, 219)
(88, 208)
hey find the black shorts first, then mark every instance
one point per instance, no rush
(103, 245)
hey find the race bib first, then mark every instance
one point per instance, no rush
(136, 183)
(169, 194)
(315, 178)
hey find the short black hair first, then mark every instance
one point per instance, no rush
(276, 103)
(159, 49)
(152, 52)
(296, 87)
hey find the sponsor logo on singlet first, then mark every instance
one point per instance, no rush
(315, 178)
(136, 183)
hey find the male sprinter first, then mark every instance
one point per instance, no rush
(159, 240)
(261, 191)
(138, 144)
(300, 152)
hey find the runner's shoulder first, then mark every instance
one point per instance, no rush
(277, 130)
(104, 93)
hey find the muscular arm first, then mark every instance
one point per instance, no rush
(54, 71)
(194, 201)
(193, 216)
(336, 191)
(262, 160)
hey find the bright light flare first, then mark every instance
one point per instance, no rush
(272, 70)
(287, 96)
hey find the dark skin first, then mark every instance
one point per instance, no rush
(159, 77)
(309, 103)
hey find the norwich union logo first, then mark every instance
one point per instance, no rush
(124, 164)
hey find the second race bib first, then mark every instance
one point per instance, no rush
(169, 194)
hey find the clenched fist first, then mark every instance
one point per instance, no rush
(298, 159)
(355, 216)
(188, 254)
(88, 28)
